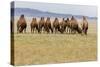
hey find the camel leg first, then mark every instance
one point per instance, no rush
(17, 29)
(55, 30)
(85, 32)
(31, 29)
(39, 29)
(67, 30)
(25, 30)
(20, 30)
(51, 30)
(72, 30)
(42, 30)
(47, 30)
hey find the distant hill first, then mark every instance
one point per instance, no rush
(37, 13)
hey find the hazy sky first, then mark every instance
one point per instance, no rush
(59, 8)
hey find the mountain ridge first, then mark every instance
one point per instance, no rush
(38, 13)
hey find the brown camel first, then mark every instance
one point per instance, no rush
(68, 24)
(85, 25)
(56, 25)
(34, 25)
(41, 24)
(74, 26)
(21, 24)
(48, 26)
(62, 26)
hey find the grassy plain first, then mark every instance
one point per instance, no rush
(55, 48)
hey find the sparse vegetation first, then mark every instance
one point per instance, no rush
(55, 48)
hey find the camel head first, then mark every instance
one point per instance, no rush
(22, 16)
(42, 18)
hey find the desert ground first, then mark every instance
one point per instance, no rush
(55, 48)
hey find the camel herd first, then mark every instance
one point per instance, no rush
(65, 26)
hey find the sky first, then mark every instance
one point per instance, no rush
(59, 8)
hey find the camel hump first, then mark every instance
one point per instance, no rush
(48, 18)
(42, 18)
(72, 18)
(84, 17)
(22, 19)
(85, 20)
(56, 19)
(33, 19)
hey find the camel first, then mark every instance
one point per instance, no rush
(62, 26)
(48, 26)
(34, 25)
(74, 26)
(21, 24)
(56, 25)
(85, 25)
(41, 24)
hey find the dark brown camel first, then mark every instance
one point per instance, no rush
(85, 25)
(41, 24)
(48, 26)
(34, 25)
(62, 26)
(21, 24)
(56, 25)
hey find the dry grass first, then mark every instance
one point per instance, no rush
(55, 48)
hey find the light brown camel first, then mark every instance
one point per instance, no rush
(85, 25)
